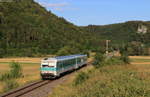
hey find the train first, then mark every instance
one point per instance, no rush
(54, 67)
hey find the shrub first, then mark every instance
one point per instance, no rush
(124, 54)
(98, 60)
(125, 58)
(81, 77)
(15, 72)
(10, 84)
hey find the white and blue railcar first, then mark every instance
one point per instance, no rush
(54, 67)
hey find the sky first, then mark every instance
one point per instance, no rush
(98, 12)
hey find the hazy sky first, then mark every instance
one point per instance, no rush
(99, 12)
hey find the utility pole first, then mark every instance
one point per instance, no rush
(107, 45)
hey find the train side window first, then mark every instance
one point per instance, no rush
(64, 63)
(72, 61)
(59, 64)
(78, 60)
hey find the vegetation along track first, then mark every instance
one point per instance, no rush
(26, 89)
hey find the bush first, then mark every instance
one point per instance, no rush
(125, 59)
(81, 77)
(10, 84)
(15, 72)
(124, 54)
(98, 60)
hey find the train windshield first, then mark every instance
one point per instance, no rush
(47, 66)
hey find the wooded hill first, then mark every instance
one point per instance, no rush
(123, 32)
(133, 34)
(28, 29)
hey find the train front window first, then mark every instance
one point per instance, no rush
(44, 65)
(47, 66)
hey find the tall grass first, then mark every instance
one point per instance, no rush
(113, 61)
(110, 81)
(10, 84)
(80, 78)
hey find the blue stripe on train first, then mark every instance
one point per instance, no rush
(48, 69)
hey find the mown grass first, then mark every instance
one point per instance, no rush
(140, 60)
(20, 62)
(109, 81)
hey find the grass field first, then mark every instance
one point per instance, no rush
(140, 60)
(135, 76)
(30, 68)
(131, 80)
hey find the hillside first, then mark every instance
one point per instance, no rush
(135, 34)
(27, 29)
(122, 32)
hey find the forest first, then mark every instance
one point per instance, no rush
(28, 29)
(134, 35)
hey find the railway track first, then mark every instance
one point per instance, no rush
(26, 89)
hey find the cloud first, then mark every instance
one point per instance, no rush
(58, 6)
(54, 5)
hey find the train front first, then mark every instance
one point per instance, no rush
(48, 68)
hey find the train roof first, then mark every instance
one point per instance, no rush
(65, 57)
